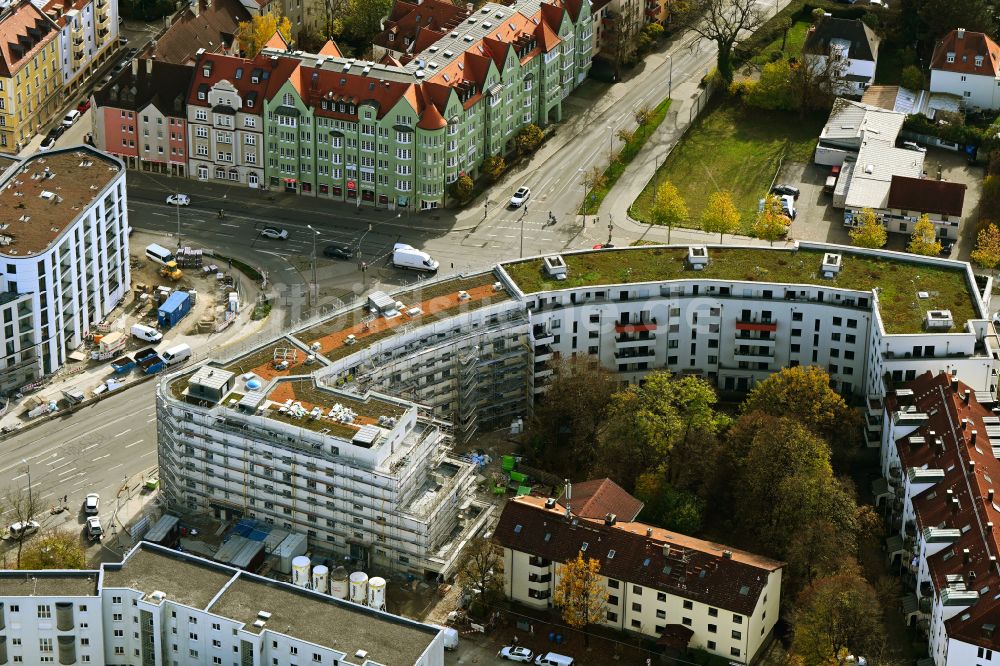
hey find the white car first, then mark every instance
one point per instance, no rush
(520, 197)
(92, 503)
(18, 530)
(912, 145)
(71, 118)
(274, 232)
(511, 653)
(94, 529)
(179, 200)
(787, 205)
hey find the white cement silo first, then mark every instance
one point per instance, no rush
(376, 593)
(300, 571)
(319, 578)
(339, 586)
(359, 587)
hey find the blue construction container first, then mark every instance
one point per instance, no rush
(173, 309)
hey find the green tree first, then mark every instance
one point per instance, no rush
(461, 189)
(363, 19)
(54, 550)
(774, 89)
(720, 215)
(987, 252)
(493, 167)
(253, 34)
(643, 114)
(912, 78)
(580, 593)
(482, 570)
(528, 138)
(723, 22)
(923, 240)
(771, 222)
(869, 231)
(668, 506)
(940, 16)
(837, 615)
(669, 209)
(784, 24)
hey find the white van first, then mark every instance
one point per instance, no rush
(406, 256)
(176, 354)
(553, 659)
(146, 333)
(159, 254)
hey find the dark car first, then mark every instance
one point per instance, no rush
(946, 246)
(786, 189)
(338, 251)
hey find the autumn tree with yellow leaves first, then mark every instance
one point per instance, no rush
(580, 593)
(253, 34)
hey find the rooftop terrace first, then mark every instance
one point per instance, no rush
(43, 196)
(334, 624)
(187, 582)
(902, 310)
(48, 584)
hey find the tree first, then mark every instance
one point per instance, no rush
(923, 240)
(774, 89)
(643, 114)
(987, 252)
(580, 593)
(813, 83)
(784, 25)
(623, 49)
(54, 550)
(669, 208)
(912, 78)
(594, 179)
(22, 504)
(818, 15)
(668, 506)
(724, 22)
(648, 36)
(720, 215)
(461, 189)
(940, 16)
(253, 34)
(837, 615)
(625, 135)
(482, 571)
(869, 231)
(493, 167)
(771, 222)
(363, 19)
(528, 138)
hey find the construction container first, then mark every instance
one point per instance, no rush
(173, 309)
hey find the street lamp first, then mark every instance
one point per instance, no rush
(611, 144)
(27, 470)
(670, 77)
(314, 283)
(584, 196)
(177, 205)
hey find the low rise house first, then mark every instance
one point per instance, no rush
(967, 64)
(849, 125)
(683, 591)
(847, 49)
(910, 102)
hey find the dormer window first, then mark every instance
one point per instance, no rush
(287, 99)
(951, 56)
(206, 72)
(392, 36)
(201, 95)
(250, 103)
(979, 61)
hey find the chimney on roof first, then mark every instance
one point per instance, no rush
(149, 66)
(649, 531)
(989, 527)
(954, 384)
(569, 489)
(610, 519)
(966, 557)
(973, 437)
(135, 68)
(954, 505)
(989, 495)
(972, 466)
(960, 33)
(550, 503)
(666, 550)
(728, 554)
(965, 423)
(965, 398)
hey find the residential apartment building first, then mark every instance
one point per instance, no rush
(686, 592)
(939, 440)
(845, 48)
(160, 606)
(204, 25)
(29, 73)
(88, 35)
(411, 27)
(64, 261)
(967, 64)
(140, 116)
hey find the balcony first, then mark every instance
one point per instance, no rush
(751, 353)
(753, 325)
(635, 327)
(640, 353)
(543, 353)
(626, 340)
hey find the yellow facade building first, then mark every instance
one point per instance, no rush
(29, 74)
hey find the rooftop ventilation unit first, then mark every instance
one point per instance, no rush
(939, 320)
(158, 596)
(831, 264)
(555, 266)
(697, 257)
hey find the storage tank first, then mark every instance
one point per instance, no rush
(338, 583)
(359, 587)
(320, 575)
(300, 571)
(376, 593)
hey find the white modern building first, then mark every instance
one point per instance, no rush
(64, 262)
(160, 606)
(683, 591)
(88, 36)
(967, 64)
(847, 49)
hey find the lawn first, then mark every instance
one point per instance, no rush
(734, 149)
(793, 44)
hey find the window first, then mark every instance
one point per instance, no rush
(711, 645)
(734, 651)
(688, 605)
(712, 629)
(686, 621)
(612, 600)
(613, 584)
(737, 635)
(44, 612)
(737, 619)
(636, 607)
(713, 612)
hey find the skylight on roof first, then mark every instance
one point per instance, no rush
(611, 554)
(446, 77)
(646, 562)
(584, 546)
(518, 528)
(744, 590)
(548, 535)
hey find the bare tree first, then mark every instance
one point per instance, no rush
(482, 571)
(22, 505)
(723, 22)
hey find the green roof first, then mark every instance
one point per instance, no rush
(902, 310)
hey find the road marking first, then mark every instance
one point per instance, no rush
(80, 482)
(115, 467)
(148, 453)
(234, 226)
(68, 471)
(55, 461)
(63, 465)
(18, 477)
(46, 495)
(160, 214)
(124, 432)
(106, 455)
(87, 448)
(150, 420)
(138, 441)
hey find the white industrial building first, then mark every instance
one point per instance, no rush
(163, 607)
(64, 257)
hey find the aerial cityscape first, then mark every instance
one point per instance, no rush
(556, 332)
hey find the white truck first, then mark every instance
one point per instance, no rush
(408, 257)
(146, 333)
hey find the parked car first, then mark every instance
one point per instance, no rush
(947, 245)
(48, 141)
(911, 145)
(511, 653)
(831, 180)
(179, 200)
(71, 118)
(338, 251)
(94, 529)
(520, 197)
(274, 233)
(27, 528)
(786, 189)
(83, 106)
(91, 504)
(787, 205)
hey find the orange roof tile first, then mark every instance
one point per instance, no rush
(23, 32)
(965, 50)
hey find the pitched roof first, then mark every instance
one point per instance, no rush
(213, 29)
(637, 553)
(162, 84)
(965, 46)
(412, 27)
(24, 30)
(927, 195)
(831, 31)
(331, 49)
(597, 498)
(256, 79)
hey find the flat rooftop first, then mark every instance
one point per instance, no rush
(41, 198)
(48, 584)
(899, 281)
(184, 581)
(366, 410)
(335, 624)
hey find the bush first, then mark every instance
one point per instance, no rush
(529, 138)
(912, 78)
(493, 167)
(461, 189)
(960, 134)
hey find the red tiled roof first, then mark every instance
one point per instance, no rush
(638, 553)
(213, 29)
(334, 86)
(927, 195)
(966, 49)
(23, 32)
(331, 49)
(409, 21)
(597, 498)
(270, 73)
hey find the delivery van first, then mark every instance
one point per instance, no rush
(405, 256)
(160, 255)
(176, 354)
(553, 659)
(146, 333)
